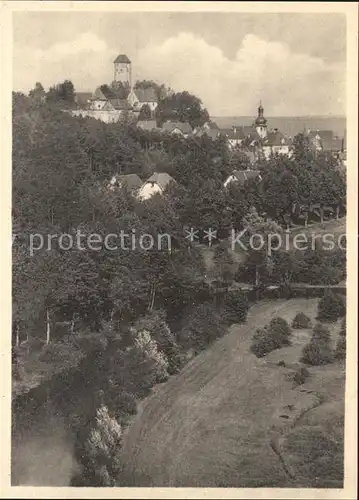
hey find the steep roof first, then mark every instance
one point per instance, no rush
(236, 133)
(122, 58)
(120, 104)
(184, 127)
(129, 181)
(147, 125)
(212, 133)
(276, 138)
(245, 175)
(225, 131)
(162, 179)
(98, 94)
(250, 132)
(146, 95)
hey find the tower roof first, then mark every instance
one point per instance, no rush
(260, 120)
(122, 58)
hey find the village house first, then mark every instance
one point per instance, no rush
(103, 104)
(210, 128)
(234, 136)
(148, 125)
(325, 141)
(242, 176)
(213, 134)
(98, 100)
(276, 143)
(256, 139)
(156, 184)
(140, 97)
(177, 128)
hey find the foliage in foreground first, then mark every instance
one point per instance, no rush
(319, 454)
(103, 447)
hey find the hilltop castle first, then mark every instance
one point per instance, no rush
(122, 70)
(110, 103)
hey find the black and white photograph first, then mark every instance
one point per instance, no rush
(179, 284)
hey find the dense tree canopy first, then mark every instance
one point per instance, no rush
(183, 107)
(151, 307)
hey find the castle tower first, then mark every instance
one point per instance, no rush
(261, 123)
(122, 70)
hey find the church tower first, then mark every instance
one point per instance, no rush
(122, 70)
(261, 123)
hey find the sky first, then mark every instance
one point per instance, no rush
(294, 63)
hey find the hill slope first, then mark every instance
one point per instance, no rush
(230, 419)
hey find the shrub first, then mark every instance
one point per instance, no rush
(331, 307)
(235, 307)
(321, 333)
(301, 375)
(263, 342)
(341, 348)
(318, 351)
(272, 336)
(280, 331)
(301, 320)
